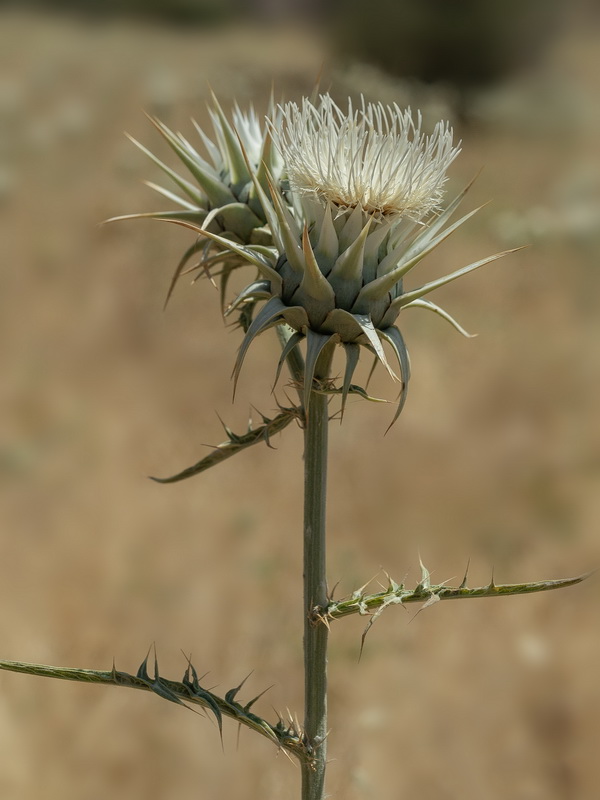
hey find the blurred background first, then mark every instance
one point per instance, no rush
(496, 457)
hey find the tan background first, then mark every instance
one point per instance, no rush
(496, 457)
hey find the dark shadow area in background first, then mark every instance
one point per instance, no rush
(464, 44)
(173, 12)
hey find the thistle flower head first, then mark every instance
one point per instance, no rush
(374, 157)
(355, 220)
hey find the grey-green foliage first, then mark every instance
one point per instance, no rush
(285, 734)
(186, 693)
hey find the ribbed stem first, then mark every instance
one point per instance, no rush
(315, 587)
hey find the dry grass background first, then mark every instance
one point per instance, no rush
(496, 458)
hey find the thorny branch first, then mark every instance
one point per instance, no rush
(237, 442)
(286, 735)
(374, 605)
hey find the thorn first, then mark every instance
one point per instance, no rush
(230, 695)
(288, 756)
(267, 437)
(425, 576)
(279, 717)
(330, 594)
(142, 672)
(264, 418)
(427, 603)
(250, 703)
(359, 592)
(392, 585)
(363, 638)
(194, 687)
(186, 674)
(463, 585)
(156, 673)
(317, 617)
(190, 665)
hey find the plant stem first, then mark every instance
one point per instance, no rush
(315, 587)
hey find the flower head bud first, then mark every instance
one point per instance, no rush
(219, 193)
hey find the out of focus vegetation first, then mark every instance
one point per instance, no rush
(466, 43)
(198, 12)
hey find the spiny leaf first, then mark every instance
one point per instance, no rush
(366, 603)
(157, 685)
(236, 443)
(290, 740)
(196, 690)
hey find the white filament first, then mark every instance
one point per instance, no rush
(374, 157)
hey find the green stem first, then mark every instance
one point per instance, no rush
(315, 587)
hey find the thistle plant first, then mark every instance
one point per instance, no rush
(333, 209)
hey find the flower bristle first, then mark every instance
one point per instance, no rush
(373, 156)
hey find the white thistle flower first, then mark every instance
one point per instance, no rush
(375, 157)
